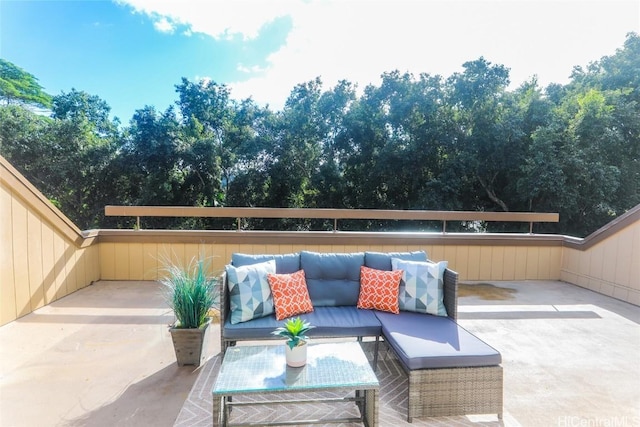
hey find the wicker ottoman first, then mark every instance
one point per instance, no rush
(450, 370)
(455, 391)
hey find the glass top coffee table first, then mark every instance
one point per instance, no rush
(331, 367)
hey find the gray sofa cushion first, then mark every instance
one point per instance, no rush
(424, 341)
(343, 322)
(285, 263)
(259, 328)
(382, 260)
(333, 279)
(328, 322)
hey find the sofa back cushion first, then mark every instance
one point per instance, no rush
(382, 260)
(333, 279)
(285, 263)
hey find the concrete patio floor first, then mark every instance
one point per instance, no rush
(103, 357)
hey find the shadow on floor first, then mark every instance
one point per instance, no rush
(529, 315)
(83, 319)
(135, 406)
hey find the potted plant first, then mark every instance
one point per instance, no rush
(295, 330)
(191, 293)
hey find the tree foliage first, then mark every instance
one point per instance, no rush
(412, 142)
(19, 87)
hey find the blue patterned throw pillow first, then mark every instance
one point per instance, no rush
(421, 287)
(249, 293)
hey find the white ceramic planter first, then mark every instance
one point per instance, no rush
(296, 357)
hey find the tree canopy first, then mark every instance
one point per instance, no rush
(18, 86)
(462, 142)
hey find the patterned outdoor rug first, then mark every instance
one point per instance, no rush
(392, 407)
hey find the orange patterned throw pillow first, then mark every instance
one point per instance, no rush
(379, 289)
(290, 294)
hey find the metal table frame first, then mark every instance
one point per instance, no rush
(365, 396)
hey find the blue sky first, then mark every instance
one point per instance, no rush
(132, 53)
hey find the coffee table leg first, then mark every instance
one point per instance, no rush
(219, 412)
(216, 411)
(370, 412)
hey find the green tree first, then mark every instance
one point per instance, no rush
(64, 161)
(394, 141)
(332, 107)
(297, 149)
(361, 150)
(207, 113)
(85, 110)
(87, 145)
(617, 78)
(150, 155)
(24, 142)
(487, 141)
(426, 142)
(584, 161)
(20, 87)
(253, 139)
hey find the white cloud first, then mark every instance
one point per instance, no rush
(249, 70)
(359, 40)
(163, 25)
(220, 19)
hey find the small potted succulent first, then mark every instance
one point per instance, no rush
(295, 330)
(191, 293)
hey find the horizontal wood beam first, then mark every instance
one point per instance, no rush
(211, 212)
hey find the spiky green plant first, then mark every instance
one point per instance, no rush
(295, 331)
(190, 293)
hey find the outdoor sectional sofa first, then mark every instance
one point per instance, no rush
(450, 371)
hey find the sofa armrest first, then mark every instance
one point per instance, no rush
(451, 293)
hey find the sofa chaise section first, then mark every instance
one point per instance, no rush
(450, 370)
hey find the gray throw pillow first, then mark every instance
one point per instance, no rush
(249, 293)
(421, 286)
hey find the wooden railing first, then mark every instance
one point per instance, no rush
(333, 214)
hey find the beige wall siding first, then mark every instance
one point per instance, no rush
(147, 261)
(611, 267)
(39, 262)
(7, 288)
(136, 261)
(494, 262)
